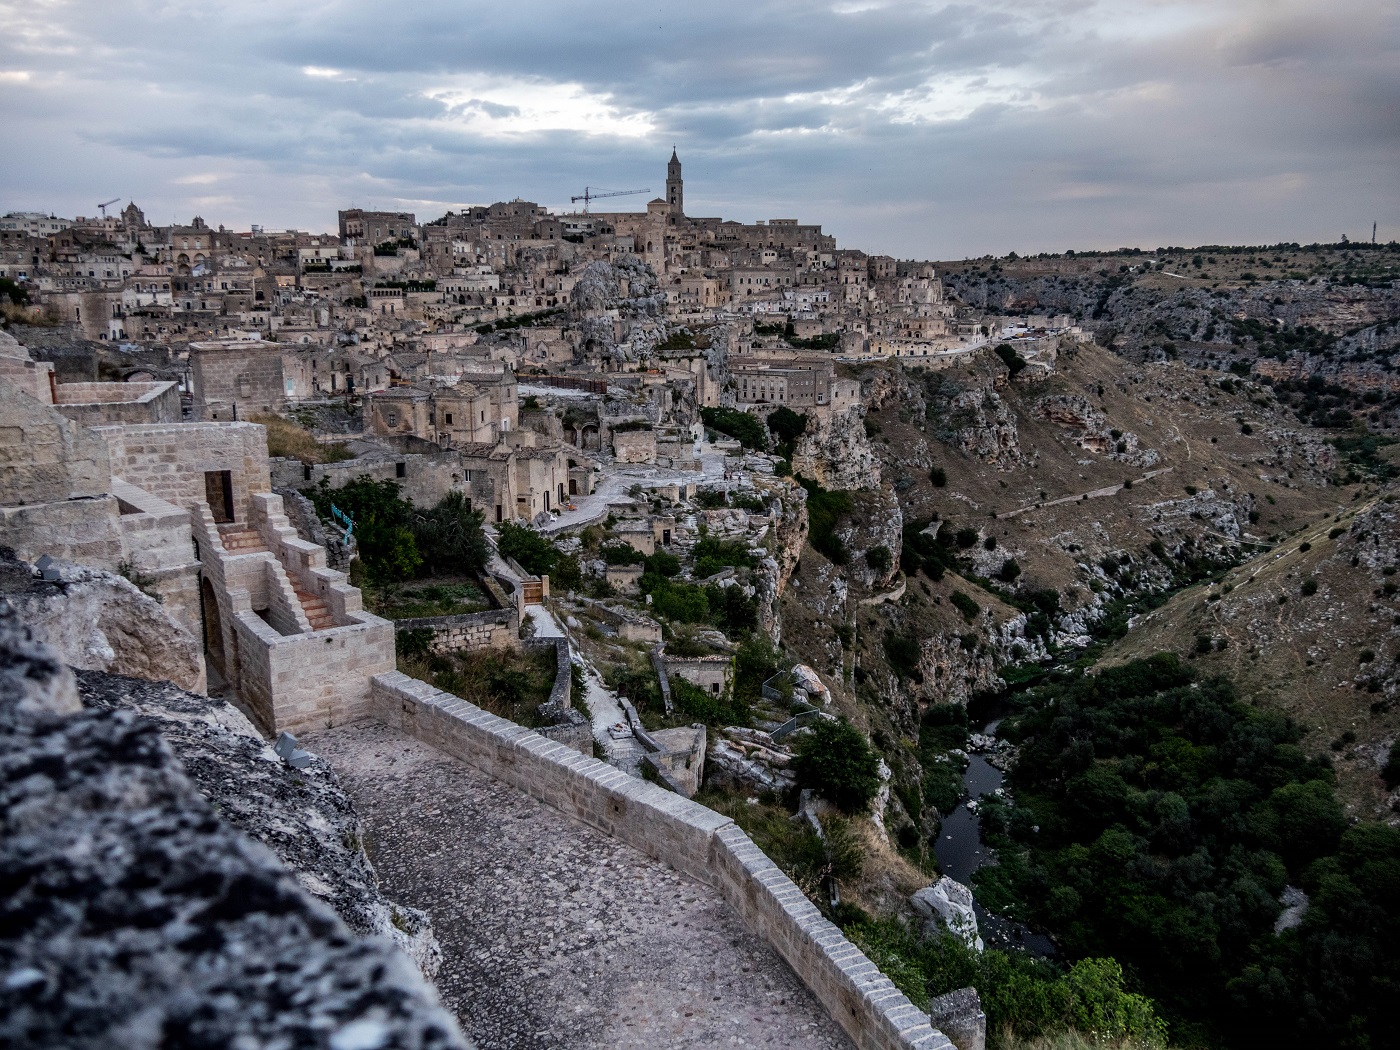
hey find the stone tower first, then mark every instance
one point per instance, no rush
(675, 188)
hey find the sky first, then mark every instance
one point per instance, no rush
(921, 130)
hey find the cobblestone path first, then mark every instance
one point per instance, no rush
(553, 934)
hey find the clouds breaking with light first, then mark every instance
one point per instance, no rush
(920, 129)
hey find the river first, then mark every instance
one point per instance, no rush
(960, 852)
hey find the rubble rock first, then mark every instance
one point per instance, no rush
(949, 903)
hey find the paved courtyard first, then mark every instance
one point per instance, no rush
(553, 934)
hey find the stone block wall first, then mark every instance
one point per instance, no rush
(170, 461)
(697, 841)
(634, 446)
(247, 375)
(98, 404)
(493, 629)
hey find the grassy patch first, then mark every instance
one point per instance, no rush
(293, 441)
(509, 683)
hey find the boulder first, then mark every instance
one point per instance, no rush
(950, 904)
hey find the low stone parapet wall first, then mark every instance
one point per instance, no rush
(693, 839)
(467, 632)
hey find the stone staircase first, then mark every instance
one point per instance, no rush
(318, 613)
(239, 539)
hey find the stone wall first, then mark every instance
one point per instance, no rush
(236, 380)
(96, 404)
(697, 841)
(170, 461)
(634, 446)
(493, 629)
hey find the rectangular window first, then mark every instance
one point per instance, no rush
(400, 470)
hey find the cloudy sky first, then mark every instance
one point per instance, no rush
(932, 130)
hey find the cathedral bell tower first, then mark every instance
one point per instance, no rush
(675, 189)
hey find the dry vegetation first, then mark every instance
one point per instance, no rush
(293, 441)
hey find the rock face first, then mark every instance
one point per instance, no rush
(949, 903)
(302, 815)
(835, 452)
(134, 916)
(100, 621)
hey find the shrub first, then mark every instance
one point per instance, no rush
(824, 509)
(880, 559)
(1009, 571)
(533, 551)
(387, 548)
(739, 425)
(938, 476)
(450, 537)
(1309, 588)
(965, 605)
(835, 760)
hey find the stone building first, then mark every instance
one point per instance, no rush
(475, 409)
(236, 378)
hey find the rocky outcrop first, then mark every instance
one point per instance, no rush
(100, 621)
(1091, 430)
(878, 522)
(302, 815)
(949, 904)
(835, 452)
(773, 572)
(136, 916)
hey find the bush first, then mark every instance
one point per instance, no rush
(879, 559)
(938, 477)
(388, 550)
(451, 537)
(965, 605)
(1009, 571)
(739, 425)
(834, 759)
(824, 509)
(1309, 588)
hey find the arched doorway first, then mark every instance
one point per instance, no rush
(213, 628)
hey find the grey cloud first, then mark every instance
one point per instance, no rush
(1244, 121)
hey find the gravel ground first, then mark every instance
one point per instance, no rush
(553, 934)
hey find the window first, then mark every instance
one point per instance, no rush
(401, 470)
(447, 418)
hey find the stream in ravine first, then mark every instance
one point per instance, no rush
(961, 851)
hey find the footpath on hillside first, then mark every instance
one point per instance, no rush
(554, 935)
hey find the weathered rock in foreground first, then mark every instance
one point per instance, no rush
(950, 903)
(100, 621)
(135, 917)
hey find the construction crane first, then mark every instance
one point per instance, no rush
(588, 195)
(103, 206)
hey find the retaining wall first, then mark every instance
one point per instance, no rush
(691, 838)
(467, 632)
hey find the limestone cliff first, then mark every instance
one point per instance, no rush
(835, 451)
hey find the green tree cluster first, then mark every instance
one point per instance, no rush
(1168, 816)
(741, 426)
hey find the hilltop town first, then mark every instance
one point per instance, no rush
(645, 517)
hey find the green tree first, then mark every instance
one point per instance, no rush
(787, 426)
(450, 537)
(535, 554)
(835, 760)
(388, 550)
